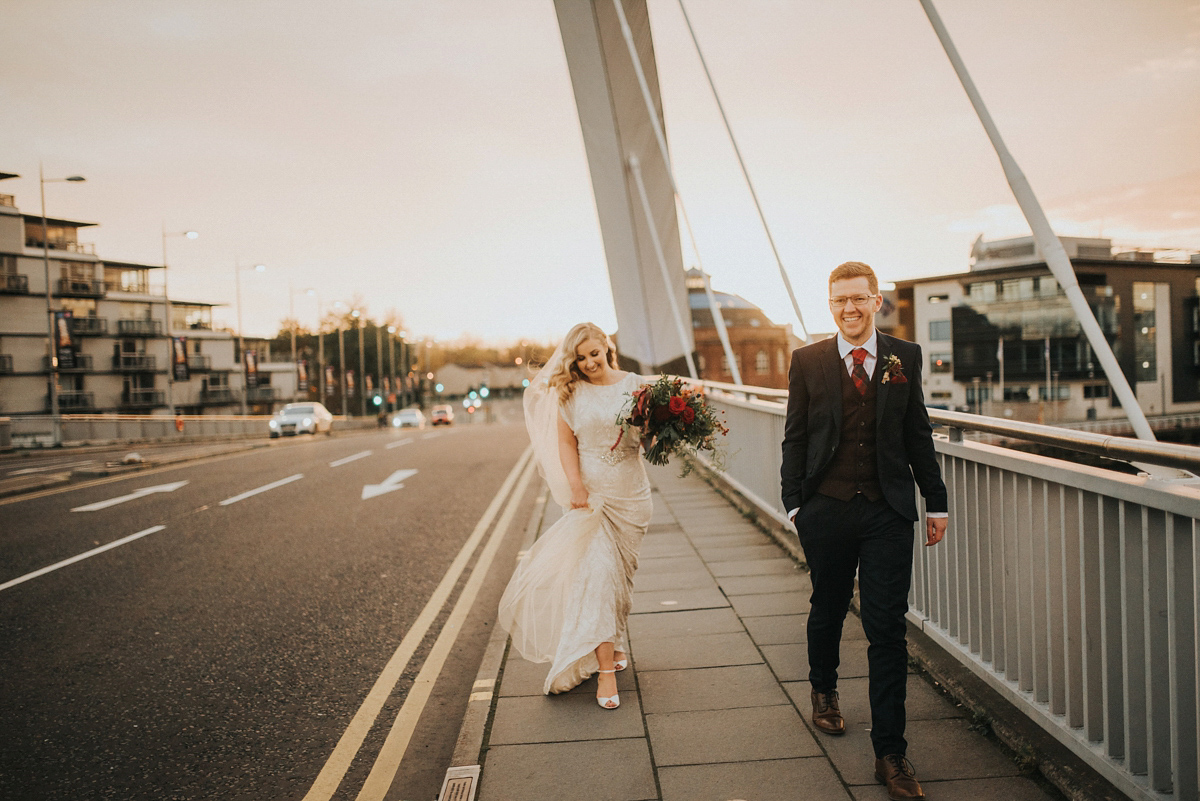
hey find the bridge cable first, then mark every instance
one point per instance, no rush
(1047, 242)
(745, 173)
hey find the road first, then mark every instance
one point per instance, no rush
(212, 629)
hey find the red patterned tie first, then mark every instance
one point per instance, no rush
(859, 373)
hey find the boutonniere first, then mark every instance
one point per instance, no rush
(893, 370)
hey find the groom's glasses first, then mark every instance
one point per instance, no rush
(857, 300)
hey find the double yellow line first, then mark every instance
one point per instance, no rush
(387, 762)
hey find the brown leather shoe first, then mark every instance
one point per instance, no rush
(899, 776)
(826, 715)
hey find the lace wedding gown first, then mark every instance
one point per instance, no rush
(572, 591)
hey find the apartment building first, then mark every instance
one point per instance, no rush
(115, 344)
(1002, 339)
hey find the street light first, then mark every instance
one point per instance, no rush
(320, 346)
(341, 357)
(395, 393)
(362, 367)
(167, 327)
(292, 317)
(55, 417)
(237, 279)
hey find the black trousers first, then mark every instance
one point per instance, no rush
(840, 538)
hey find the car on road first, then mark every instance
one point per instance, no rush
(442, 415)
(408, 418)
(301, 418)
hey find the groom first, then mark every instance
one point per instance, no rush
(857, 436)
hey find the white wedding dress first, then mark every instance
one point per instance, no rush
(573, 589)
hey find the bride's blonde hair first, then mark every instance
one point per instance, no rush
(565, 373)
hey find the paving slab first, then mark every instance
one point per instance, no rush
(682, 580)
(660, 600)
(1015, 788)
(777, 629)
(522, 677)
(669, 564)
(923, 702)
(971, 756)
(565, 717)
(766, 780)
(763, 585)
(729, 540)
(753, 567)
(790, 661)
(666, 549)
(702, 650)
(779, 603)
(739, 552)
(683, 624)
(709, 688)
(729, 735)
(605, 770)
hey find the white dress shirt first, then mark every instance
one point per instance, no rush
(872, 348)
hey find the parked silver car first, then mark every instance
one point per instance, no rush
(301, 418)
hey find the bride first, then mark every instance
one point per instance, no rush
(568, 601)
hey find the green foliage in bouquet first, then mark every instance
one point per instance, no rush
(670, 417)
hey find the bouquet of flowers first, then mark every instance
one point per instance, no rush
(671, 417)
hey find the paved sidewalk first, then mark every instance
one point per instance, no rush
(715, 704)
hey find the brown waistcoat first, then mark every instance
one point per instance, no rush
(854, 468)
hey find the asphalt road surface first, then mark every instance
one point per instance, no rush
(237, 627)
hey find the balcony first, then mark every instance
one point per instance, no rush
(139, 328)
(261, 394)
(53, 243)
(15, 284)
(80, 288)
(134, 363)
(6, 363)
(141, 398)
(217, 396)
(74, 401)
(82, 363)
(198, 363)
(89, 326)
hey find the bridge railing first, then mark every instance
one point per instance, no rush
(1072, 590)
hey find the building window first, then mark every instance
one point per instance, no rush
(762, 363)
(1061, 392)
(978, 394)
(1095, 390)
(780, 366)
(941, 396)
(1018, 394)
(939, 298)
(940, 363)
(940, 330)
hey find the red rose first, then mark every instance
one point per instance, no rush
(677, 404)
(661, 414)
(689, 414)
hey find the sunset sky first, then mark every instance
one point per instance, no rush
(425, 157)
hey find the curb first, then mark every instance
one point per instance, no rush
(462, 777)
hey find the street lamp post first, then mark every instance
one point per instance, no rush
(392, 363)
(362, 367)
(379, 357)
(403, 371)
(320, 347)
(341, 359)
(167, 324)
(55, 417)
(237, 280)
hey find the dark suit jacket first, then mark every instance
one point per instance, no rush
(904, 436)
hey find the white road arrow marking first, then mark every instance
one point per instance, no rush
(95, 507)
(390, 483)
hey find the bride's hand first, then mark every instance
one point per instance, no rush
(579, 498)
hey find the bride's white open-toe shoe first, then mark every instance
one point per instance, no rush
(611, 702)
(621, 664)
